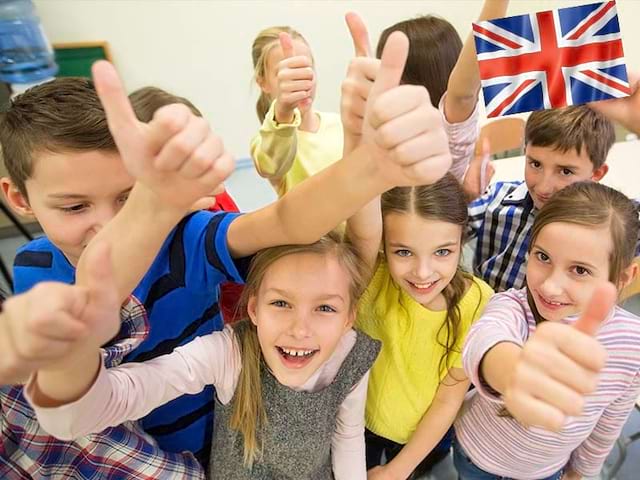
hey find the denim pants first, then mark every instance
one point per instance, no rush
(467, 470)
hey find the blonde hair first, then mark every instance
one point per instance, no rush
(249, 416)
(262, 45)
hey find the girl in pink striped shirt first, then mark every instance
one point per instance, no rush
(553, 391)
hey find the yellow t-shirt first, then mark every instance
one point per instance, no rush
(405, 377)
(287, 156)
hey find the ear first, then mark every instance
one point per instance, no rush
(14, 198)
(629, 274)
(262, 83)
(351, 320)
(251, 309)
(599, 172)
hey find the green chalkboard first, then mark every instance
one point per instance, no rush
(75, 59)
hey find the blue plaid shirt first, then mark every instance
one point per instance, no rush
(123, 452)
(501, 220)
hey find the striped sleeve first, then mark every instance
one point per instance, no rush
(589, 457)
(462, 139)
(503, 320)
(478, 208)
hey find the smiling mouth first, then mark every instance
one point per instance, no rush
(549, 304)
(296, 357)
(423, 287)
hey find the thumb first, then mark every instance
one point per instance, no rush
(394, 58)
(286, 44)
(602, 301)
(359, 34)
(100, 279)
(122, 121)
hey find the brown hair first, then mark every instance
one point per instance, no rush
(248, 415)
(61, 115)
(147, 100)
(571, 128)
(444, 201)
(262, 45)
(434, 48)
(592, 204)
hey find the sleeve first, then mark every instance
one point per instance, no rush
(503, 320)
(40, 261)
(274, 148)
(207, 260)
(478, 208)
(462, 139)
(131, 391)
(347, 444)
(589, 457)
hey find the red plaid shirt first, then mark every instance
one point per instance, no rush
(122, 452)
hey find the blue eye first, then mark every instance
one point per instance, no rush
(403, 252)
(327, 309)
(442, 252)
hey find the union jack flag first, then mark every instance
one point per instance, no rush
(551, 59)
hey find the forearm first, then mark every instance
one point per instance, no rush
(135, 236)
(313, 207)
(464, 81)
(69, 380)
(364, 231)
(498, 365)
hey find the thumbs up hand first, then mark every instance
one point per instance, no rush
(400, 126)
(296, 81)
(559, 366)
(356, 86)
(176, 155)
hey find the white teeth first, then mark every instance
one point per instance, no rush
(296, 353)
(423, 285)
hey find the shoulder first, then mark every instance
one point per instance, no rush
(477, 294)
(621, 333)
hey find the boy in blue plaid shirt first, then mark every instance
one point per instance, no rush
(562, 146)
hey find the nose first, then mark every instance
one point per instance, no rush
(422, 269)
(102, 215)
(546, 186)
(553, 285)
(300, 326)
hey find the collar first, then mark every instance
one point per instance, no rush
(519, 196)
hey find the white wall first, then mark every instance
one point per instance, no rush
(201, 49)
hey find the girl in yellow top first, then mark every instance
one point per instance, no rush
(295, 141)
(420, 304)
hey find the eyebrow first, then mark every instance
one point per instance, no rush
(446, 244)
(574, 262)
(283, 293)
(77, 196)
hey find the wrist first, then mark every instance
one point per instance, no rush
(370, 169)
(397, 469)
(283, 115)
(145, 202)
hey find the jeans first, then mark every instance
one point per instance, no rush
(467, 470)
(377, 445)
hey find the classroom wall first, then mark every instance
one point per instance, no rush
(201, 49)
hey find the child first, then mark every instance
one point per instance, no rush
(562, 146)
(295, 141)
(291, 381)
(420, 304)
(524, 354)
(198, 254)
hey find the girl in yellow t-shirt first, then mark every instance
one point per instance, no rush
(295, 141)
(420, 304)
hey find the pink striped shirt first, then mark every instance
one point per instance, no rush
(501, 445)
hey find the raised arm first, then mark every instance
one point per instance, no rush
(464, 81)
(176, 160)
(403, 144)
(623, 110)
(274, 148)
